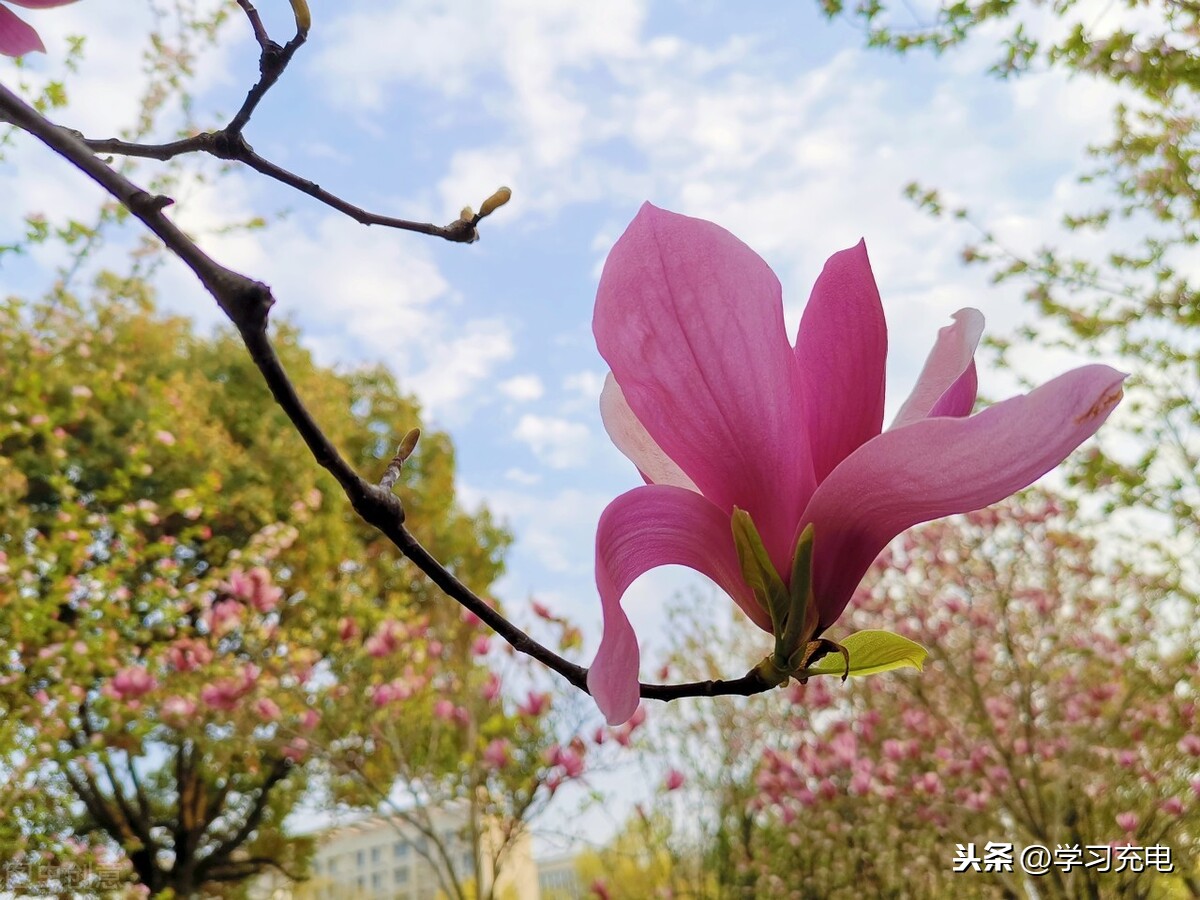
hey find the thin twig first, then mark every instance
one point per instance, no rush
(224, 145)
(228, 143)
(256, 23)
(271, 63)
(247, 302)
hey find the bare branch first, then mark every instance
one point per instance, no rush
(219, 857)
(229, 144)
(247, 303)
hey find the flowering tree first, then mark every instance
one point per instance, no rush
(459, 726)
(758, 485)
(171, 579)
(1058, 707)
(1115, 282)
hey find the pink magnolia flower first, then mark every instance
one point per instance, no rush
(385, 640)
(534, 705)
(296, 750)
(17, 38)
(719, 410)
(187, 654)
(569, 759)
(491, 688)
(496, 754)
(267, 709)
(255, 588)
(178, 708)
(130, 683)
(674, 780)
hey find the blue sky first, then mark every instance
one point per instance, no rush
(760, 116)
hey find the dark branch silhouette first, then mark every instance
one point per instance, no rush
(228, 143)
(247, 303)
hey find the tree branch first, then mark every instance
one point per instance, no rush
(229, 144)
(232, 146)
(219, 857)
(247, 303)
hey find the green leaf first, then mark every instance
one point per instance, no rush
(758, 570)
(871, 652)
(800, 595)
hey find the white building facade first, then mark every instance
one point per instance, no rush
(389, 858)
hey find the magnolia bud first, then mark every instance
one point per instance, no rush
(303, 16)
(494, 202)
(408, 444)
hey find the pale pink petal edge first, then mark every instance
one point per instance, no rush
(947, 369)
(632, 439)
(642, 529)
(941, 466)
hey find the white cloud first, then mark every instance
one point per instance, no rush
(587, 383)
(522, 388)
(521, 477)
(559, 443)
(554, 528)
(460, 363)
(360, 294)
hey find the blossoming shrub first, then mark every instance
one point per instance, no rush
(1058, 706)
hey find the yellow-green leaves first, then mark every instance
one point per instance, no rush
(757, 570)
(798, 627)
(790, 606)
(871, 652)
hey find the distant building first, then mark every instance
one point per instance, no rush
(558, 878)
(386, 858)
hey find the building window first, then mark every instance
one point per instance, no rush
(375, 851)
(377, 881)
(399, 849)
(400, 876)
(361, 857)
(468, 863)
(361, 882)
(333, 865)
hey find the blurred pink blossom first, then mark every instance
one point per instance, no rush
(130, 683)
(496, 754)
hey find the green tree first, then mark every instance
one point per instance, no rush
(1137, 297)
(172, 577)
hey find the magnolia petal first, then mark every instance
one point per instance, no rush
(941, 466)
(947, 384)
(959, 398)
(39, 4)
(632, 439)
(17, 38)
(841, 354)
(690, 320)
(651, 526)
